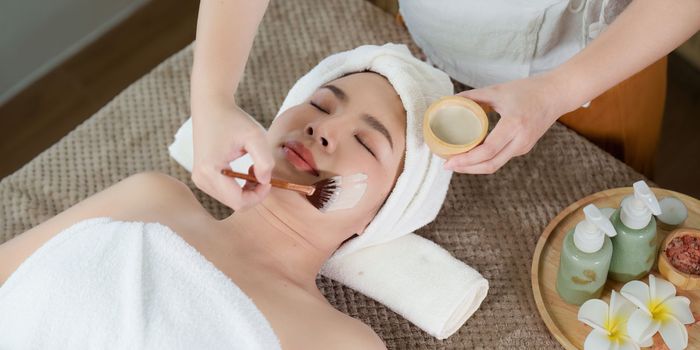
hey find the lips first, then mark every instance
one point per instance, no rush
(300, 157)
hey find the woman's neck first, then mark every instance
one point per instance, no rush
(279, 242)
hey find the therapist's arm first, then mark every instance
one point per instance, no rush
(222, 131)
(643, 33)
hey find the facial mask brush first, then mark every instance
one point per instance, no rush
(334, 193)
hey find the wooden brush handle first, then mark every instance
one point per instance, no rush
(307, 190)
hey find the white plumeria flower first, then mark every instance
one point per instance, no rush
(609, 324)
(659, 310)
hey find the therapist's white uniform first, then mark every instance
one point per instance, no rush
(484, 42)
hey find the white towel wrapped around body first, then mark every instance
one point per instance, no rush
(439, 304)
(126, 285)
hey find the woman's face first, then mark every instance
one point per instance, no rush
(354, 124)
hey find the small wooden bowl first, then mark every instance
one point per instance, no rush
(682, 280)
(474, 115)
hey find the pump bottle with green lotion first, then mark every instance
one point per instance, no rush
(636, 245)
(585, 258)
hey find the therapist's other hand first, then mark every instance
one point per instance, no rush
(528, 107)
(222, 134)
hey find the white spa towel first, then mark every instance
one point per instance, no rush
(440, 304)
(417, 279)
(106, 284)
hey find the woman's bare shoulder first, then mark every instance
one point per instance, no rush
(154, 194)
(150, 196)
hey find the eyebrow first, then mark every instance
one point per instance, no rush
(370, 120)
(340, 94)
(377, 125)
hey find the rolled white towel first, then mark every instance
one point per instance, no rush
(417, 279)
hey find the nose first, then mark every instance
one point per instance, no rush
(326, 132)
(322, 138)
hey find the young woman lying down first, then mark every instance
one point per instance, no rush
(142, 264)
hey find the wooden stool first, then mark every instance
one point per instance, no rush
(626, 120)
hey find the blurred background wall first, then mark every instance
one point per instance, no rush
(37, 35)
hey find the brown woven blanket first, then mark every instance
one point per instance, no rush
(490, 222)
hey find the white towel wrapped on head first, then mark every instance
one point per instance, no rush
(438, 296)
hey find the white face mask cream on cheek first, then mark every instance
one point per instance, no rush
(344, 193)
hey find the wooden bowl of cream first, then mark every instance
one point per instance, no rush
(453, 125)
(681, 279)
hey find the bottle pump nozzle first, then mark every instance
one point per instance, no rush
(589, 234)
(636, 211)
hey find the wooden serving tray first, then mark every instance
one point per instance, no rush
(561, 318)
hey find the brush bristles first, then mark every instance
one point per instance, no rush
(325, 193)
(339, 192)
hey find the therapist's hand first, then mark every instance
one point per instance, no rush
(221, 134)
(528, 107)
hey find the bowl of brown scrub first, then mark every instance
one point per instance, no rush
(453, 125)
(679, 259)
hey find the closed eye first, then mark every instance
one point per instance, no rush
(365, 146)
(318, 107)
(359, 140)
